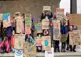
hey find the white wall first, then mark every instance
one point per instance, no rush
(66, 5)
(79, 6)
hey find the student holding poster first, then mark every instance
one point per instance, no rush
(64, 34)
(19, 22)
(71, 46)
(29, 46)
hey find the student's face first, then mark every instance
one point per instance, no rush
(71, 28)
(46, 12)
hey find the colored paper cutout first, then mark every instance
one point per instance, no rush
(5, 16)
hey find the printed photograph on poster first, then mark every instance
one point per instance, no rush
(45, 23)
(75, 37)
(45, 32)
(19, 41)
(46, 43)
(56, 29)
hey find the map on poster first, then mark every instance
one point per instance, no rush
(45, 23)
(19, 53)
(56, 29)
(46, 43)
(75, 37)
(49, 53)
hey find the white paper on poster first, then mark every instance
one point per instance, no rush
(18, 53)
(49, 53)
(47, 8)
(45, 23)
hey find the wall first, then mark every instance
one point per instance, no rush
(25, 6)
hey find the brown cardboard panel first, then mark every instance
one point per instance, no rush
(19, 24)
(46, 43)
(75, 19)
(1, 16)
(19, 41)
(29, 50)
(56, 29)
(75, 37)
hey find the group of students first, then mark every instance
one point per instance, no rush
(7, 33)
(65, 28)
(63, 45)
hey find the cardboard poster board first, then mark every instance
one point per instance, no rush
(19, 53)
(75, 37)
(28, 21)
(45, 23)
(29, 50)
(74, 19)
(19, 24)
(28, 24)
(1, 16)
(56, 29)
(59, 12)
(46, 8)
(19, 41)
(46, 43)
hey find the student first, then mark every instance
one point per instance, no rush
(72, 48)
(48, 14)
(29, 39)
(64, 34)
